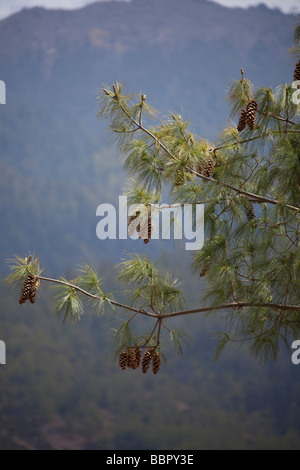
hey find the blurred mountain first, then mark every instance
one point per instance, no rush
(57, 162)
(59, 389)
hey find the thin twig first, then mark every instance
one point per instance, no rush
(93, 296)
(234, 305)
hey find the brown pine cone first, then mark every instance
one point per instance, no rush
(204, 269)
(156, 362)
(138, 356)
(34, 288)
(123, 359)
(27, 288)
(147, 359)
(250, 114)
(134, 357)
(297, 71)
(149, 231)
(242, 121)
(179, 178)
(206, 169)
(248, 209)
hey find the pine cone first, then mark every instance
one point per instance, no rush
(206, 169)
(123, 359)
(250, 212)
(137, 358)
(156, 362)
(179, 178)
(250, 114)
(147, 359)
(27, 288)
(149, 231)
(297, 71)
(204, 269)
(248, 209)
(242, 121)
(134, 357)
(34, 288)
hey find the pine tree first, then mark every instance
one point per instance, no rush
(250, 186)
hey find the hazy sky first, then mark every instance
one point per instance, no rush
(10, 6)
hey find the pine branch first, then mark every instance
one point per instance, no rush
(279, 118)
(93, 296)
(234, 305)
(256, 197)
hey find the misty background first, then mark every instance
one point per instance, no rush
(60, 388)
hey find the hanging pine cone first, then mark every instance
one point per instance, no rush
(179, 178)
(156, 362)
(137, 357)
(206, 169)
(34, 288)
(134, 357)
(27, 288)
(248, 209)
(204, 269)
(297, 71)
(123, 359)
(147, 359)
(149, 231)
(250, 114)
(242, 121)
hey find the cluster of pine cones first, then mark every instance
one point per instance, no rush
(131, 358)
(29, 289)
(297, 71)
(207, 168)
(144, 228)
(247, 116)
